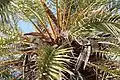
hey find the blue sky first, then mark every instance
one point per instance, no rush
(25, 26)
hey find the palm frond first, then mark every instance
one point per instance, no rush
(50, 62)
(8, 36)
(4, 10)
(100, 20)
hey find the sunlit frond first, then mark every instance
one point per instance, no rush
(51, 62)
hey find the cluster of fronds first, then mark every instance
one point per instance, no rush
(69, 43)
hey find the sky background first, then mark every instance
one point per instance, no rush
(25, 26)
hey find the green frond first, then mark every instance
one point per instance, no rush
(100, 20)
(111, 68)
(73, 22)
(8, 36)
(51, 62)
(5, 10)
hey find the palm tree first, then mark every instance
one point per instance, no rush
(73, 40)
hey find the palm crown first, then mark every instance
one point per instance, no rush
(73, 39)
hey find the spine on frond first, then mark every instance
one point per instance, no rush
(68, 16)
(58, 15)
(65, 17)
(52, 27)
